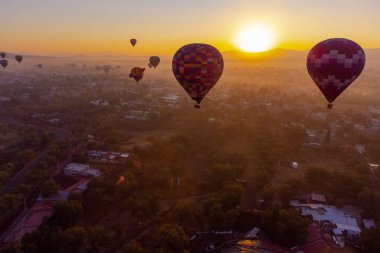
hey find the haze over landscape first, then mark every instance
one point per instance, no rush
(189, 126)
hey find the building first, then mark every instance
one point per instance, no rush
(79, 169)
(318, 198)
(73, 169)
(97, 156)
(368, 223)
(345, 224)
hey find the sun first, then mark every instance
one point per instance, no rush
(255, 38)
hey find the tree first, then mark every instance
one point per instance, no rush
(218, 216)
(371, 240)
(231, 195)
(170, 239)
(369, 200)
(66, 213)
(49, 188)
(284, 226)
(184, 209)
(132, 247)
(74, 239)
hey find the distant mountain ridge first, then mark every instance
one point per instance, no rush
(373, 53)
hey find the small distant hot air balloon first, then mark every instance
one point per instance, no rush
(154, 61)
(133, 42)
(39, 65)
(150, 65)
(2, 55)
(4, 63)
(137, 73)
(334, 64)
(107, 68)
(117, 66)
(19, 58)
(197, 67)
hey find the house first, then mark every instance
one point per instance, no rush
(318, 198)
(253, 234)
(137, 115)
(100, 102)
(345, 224)
(368, 223)
(79, 169)
(73, 169)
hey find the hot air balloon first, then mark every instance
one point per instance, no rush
(39, 65)
(150, 65)
(197, 67)
(106, 68)
(2, 55)
(4, 63)
(137, 73)
(19, 58)
(154, 61)
(133, 42)
(333, 65)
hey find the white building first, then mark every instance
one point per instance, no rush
(79, 169)
(73, 169)
(343, 222)
(369, 223)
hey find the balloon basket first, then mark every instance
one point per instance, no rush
(329, 106)
(197, 106)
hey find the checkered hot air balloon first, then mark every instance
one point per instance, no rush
(4, 63)
(197, 67)
(334, 64)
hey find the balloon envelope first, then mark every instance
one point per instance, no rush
(334, 64)
(154, 61)
(137, 73)
(19, 58)
(197, 67)
(2, 55)
(133, 42)
(106, 68)
(4, 63)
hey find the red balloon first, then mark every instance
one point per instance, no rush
(334, 64)
(197, 67)
(137, 73)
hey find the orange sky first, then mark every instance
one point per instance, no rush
(162, 26)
